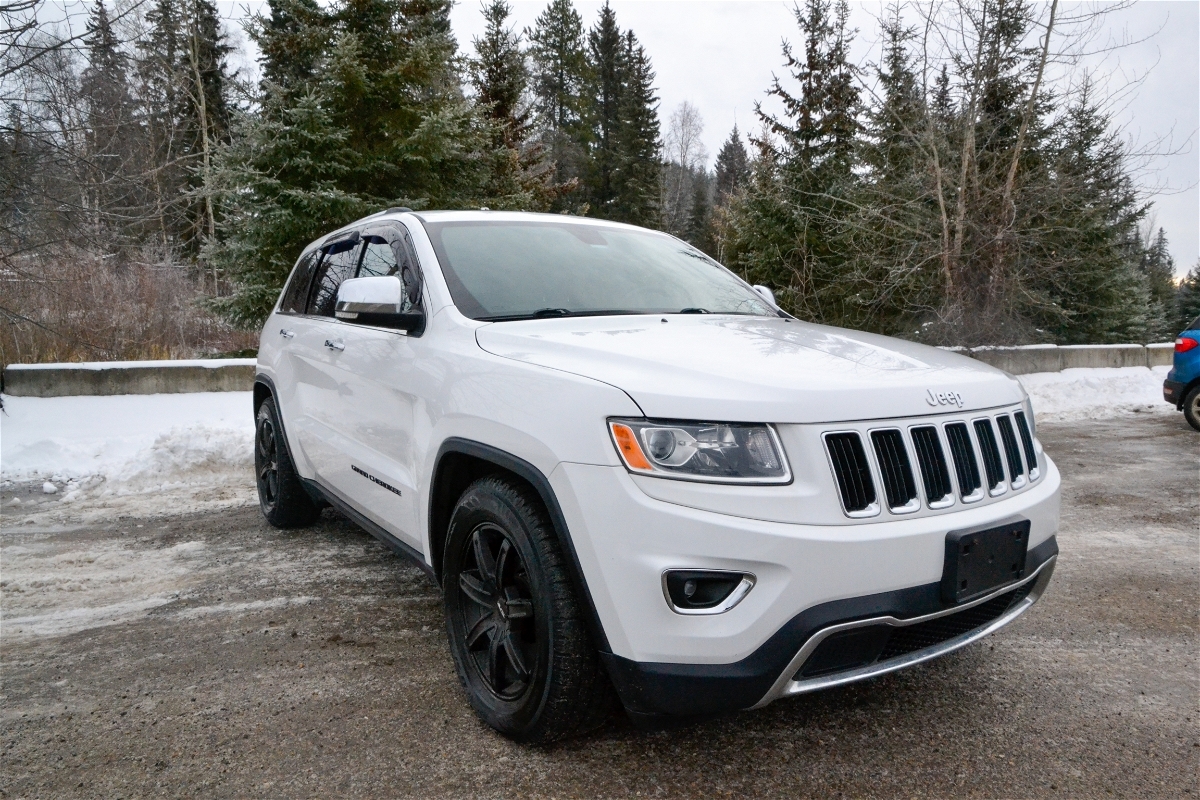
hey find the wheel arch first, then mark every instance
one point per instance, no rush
(458, 464)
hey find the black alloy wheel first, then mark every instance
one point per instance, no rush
(266, 461)
(517, 633)
(281, 495)
(501, 632)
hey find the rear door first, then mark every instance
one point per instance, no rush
(315, 377)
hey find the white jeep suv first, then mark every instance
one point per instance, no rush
(629, 470)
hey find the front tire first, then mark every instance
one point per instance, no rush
(281, 496)
(517, 633)
(1191, 407)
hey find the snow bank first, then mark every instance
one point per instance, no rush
(131, 454)
(1077, 394)
(146, 455)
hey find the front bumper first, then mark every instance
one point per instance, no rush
(1173, 392)
(808, 578)
(919, 628)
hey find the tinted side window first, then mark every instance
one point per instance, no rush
(296, 292)
(389, 252)
(378, 258)
(340, 261)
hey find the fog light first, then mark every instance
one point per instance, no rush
(705, 591)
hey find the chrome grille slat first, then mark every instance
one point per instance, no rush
(1015, 468)
(932, 462)
(1027, 443)
(852, 471)
(895, 469)
(992, 464)
(966, 468)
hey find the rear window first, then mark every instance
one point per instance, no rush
(1195, 326)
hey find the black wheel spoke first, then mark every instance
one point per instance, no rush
(483, 559)
(486, 623)
(475, 589)
(512, 649)
(502, 559)
(494, 672)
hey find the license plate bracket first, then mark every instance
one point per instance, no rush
(979, 561)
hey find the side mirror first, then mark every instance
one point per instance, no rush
(767, 295)
(378, 301)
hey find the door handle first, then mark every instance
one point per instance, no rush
(332, 345)
(285, 333)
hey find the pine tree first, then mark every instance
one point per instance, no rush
(813, 146)
(1158, 267)
(500, 76)
(606, 61)
(559, 74)
(291, 41)
(700, 231)
(206, 107)
(384, 123)
(732, 167)
(110, 166)
(636, 179)
(1187, 301)
(895, 240)
(1079, 275)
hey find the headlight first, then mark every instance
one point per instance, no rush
(701, 451)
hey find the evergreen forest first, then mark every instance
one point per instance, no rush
(153, 199)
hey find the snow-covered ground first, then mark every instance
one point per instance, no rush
(130, 455)
(147, 455)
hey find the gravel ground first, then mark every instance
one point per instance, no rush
(210, 655)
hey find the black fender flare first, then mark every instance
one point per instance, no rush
(534, 477)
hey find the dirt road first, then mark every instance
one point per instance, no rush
(213, 656)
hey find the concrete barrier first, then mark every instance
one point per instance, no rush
(237, 374)
(1055, 358)
(1160, 355)
(129, 377)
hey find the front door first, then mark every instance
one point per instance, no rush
(369, 421)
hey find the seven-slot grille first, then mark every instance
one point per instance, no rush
(938, 449)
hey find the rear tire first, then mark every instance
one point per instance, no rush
(281, 495)
(1191, 407)
(520, 643)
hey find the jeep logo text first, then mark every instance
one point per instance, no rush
(943, 398)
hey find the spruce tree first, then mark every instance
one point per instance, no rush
(500, 76)
(291, 40)
(1078, 273)
(732, 167)
(383, 123)
(1158, 267)
(1187, 300)
(110, 193)
(636, 179)
(607, 70)
(700, 231)
(559, 75)
(813, 145)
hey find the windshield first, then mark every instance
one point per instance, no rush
(501, 270)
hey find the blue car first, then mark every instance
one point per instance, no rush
(1182, 386)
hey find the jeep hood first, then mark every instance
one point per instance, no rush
(752, 369)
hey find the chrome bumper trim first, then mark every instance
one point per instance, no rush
(785, 686)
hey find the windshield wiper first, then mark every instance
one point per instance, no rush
(694, 311)
(543, 313)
